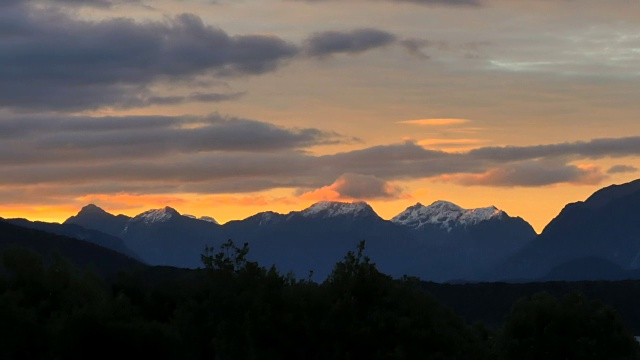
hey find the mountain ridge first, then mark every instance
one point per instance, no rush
(319, 235)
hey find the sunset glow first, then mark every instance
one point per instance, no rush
(230, 108)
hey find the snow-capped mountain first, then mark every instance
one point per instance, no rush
(463, 243)
(445, 215)
(329, 209)
(438, 242)
(157, 215)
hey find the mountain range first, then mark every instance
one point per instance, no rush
(595, 239)
(440, 242)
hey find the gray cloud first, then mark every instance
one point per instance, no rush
(444, 2)
(40, 139)
(424, 2)
(352, 42)
(50, 60)
(531, 174)
(146, 100)
(94, 3)
(619, 169)
(596, 148)
(218, 154)
(415, 47)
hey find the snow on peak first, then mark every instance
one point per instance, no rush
(444, 214)
(327, 209)
(208, 219)
(157, 215)
(474, 216)
(267, 217)
(202, 218)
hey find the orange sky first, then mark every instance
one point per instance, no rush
(230, 108)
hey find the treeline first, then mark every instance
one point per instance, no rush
(235, 309)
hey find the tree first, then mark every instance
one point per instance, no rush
(230, 258)
(542, 327)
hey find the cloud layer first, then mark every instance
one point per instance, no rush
(424, 2)
(57, 139)
(217, 154)
(51, 61)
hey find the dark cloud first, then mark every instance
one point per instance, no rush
(142, 100)
(94, 3)
(531, 174)
(352, 42)
(618, 169)
(218, 154)
(423, 2)
(590, 149)
(40, 139)
(49, 60)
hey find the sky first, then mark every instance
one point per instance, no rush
(226, 108)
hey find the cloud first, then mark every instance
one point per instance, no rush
(147, 100)
(435, 122)
(352, 42)
(94, 3)
(451, 144)
(444, 2)
(597, 148)
(531, 174)
(415, 46)
(53, 61)
(619, 169)
(352, 186)
(425, 2)
(54, 139)
(216, 155)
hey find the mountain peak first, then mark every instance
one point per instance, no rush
(445, 214)
(327, 209)
(157, 215)
(445, 205)
(91, 209)
(610, 193)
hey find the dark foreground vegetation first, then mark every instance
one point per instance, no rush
(235, 309)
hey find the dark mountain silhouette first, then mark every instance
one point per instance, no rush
(604, 227)
(590, 269)
(158, 237)
(165, 237)
(78, 232)
(93, 217)
(317, 237)
(82, 254)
